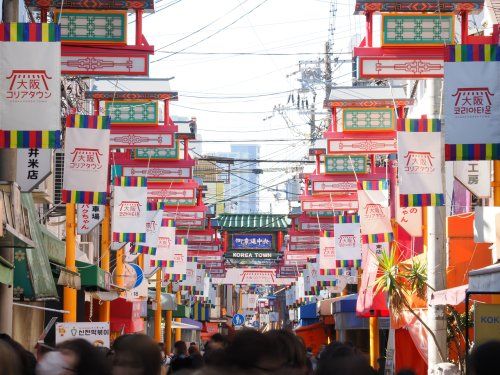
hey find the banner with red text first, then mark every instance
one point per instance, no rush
(86, 159)
(347, 245)
(30, 85)
(374, 212)
(419, 163)
(471, 98)
(128, 221)
(327, 251)
(153, 224)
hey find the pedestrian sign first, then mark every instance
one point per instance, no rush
(238, 320)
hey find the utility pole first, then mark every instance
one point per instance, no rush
(436, 245)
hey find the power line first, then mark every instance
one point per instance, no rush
(208, 158)
(253, 53)
(213, 34)
(200, 29)
(250, 140)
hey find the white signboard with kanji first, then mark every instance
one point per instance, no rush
(88, 217)
(475, 175)
(33, 167)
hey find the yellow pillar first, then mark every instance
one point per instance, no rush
(69, 294)
(104, 307)
(178, 320)
(374, 342)
(120, 269)
(140, 261)
(167, 335)
(157, 321)
(496, 183)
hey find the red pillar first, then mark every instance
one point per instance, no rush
(166, 113)
(225, 239)
(186, 149)
(96, 107)
(306, 189)
(464, 26)
(43, 15)
(334, 119)
(138, 27)
(279, 241)
(369, 29)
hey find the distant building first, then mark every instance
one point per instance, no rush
(242, 193)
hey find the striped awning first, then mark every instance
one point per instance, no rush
(261, 222)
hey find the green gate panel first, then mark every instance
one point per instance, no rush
(136, 113)
(87, 26)
(6, 272)
(182, 312)
(342, 164)
(418, 29)
(158, 153)
(373, 119)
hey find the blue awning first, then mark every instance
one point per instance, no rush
(193, 322)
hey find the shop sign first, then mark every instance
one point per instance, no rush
(330, 205)
(89, 216)
(202, 247)
(304, 246)
(124, 139)
(304, 239)
(252, 255)
(486, 323)
(76, 62)
(33, 167)
(333, 186)
(475, 176)
(252, 241)
(97, 333)
(315, 226)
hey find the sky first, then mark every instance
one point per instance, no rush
(235, 97)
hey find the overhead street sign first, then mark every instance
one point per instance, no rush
(238, 320)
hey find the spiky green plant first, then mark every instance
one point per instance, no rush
(399, 281)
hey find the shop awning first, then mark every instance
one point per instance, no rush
(93, 277)
(186, 326)
(264, 222)
(326, 305)
(33, 279)
(168, 300)
(485, 279)
(451, 296)
(6, 272)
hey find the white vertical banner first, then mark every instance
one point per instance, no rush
(30, 86)
(177, 270)
(86, 159)
(374, 212)
(164, 250)
(471, 98)
(153, 224)
(347, 244)
(327, 253)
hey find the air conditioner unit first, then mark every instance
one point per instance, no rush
(86, 252)
(58, 176)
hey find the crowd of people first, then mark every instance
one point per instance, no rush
(248, 352)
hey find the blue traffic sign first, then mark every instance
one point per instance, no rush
(256, 324)
(238, 320)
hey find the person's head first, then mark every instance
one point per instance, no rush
(484, 358)
(286, 350)
(217, 341)
(180, 348)
(192, 344)
(10, 363)
(249, 350)
(343, 359)
(83, 358)
(193, 349)
(136, 355)
(27, 359)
